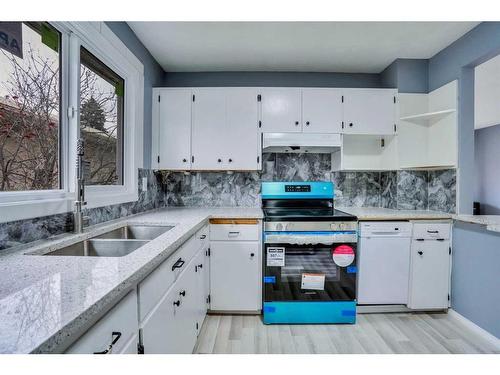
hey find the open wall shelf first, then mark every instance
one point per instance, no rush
(428, 118)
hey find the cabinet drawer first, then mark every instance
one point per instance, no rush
(203, 236)
(121, 318)
(154, 287)
(236, 231)
(431, 230)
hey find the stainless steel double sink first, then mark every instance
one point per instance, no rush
(115, 243)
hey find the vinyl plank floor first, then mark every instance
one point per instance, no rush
(410, 333)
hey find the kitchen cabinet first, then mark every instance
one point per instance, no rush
(241, 138)
(428, 135)
(225, 129)
(209, 126)
(114, 333)
(370, 111)
(199, 267)
(235, 265)
(429, 285)
(281, 110)
(322, 110)
(171, 327)
(173, 140)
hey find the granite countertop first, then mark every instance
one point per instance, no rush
(375, 213)
(492, 222)
(47, 302)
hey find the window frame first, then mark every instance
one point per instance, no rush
(98, 39)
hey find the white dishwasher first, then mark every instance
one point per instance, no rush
(384, 262)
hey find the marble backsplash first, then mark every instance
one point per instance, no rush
(408, 189)
(24, 231)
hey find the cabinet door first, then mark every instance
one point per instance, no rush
(209, 129)
(429, 280)
(322, 110)
(171, 327)
(200, 269)
(174, 138)
(369, 111)
(281, 110)
(235, 276)
(242, 137)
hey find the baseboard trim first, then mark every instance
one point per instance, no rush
(474, 327)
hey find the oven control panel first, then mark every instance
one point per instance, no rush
(297, 188)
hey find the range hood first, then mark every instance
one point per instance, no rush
(301, 142)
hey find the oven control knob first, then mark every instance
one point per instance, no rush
(279, 227)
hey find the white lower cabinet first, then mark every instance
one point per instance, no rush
(171, 326)
(429, 285)
(200, 269)
(114, 333)
(235, 276)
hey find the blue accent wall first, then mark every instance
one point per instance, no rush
(475, 275)
(408, 75)
(153, 76)
(270, 79)
(487, 155)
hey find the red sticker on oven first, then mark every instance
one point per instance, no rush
(343, 255)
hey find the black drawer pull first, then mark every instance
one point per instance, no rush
(419, 239)
(177, 303)
(178, 264)
(200, 265)
(183, 293)
(420, 252)
(439, 239)
(433, 231)
(115, 337)
(203, 236)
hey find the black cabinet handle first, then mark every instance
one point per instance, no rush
(252, 255)
(183, 293)
(200, 265)
(203, 236)
(178, 264)
(440, 239)
(420, 252)
(184, 160)
(230, 160)
(432, 231)
(219, 160)
(177, 303)
(307, 123)
(350, 124)
(115, 336)
(296, 123)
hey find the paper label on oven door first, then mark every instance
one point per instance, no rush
(343, 255)
(276, 257)
(314, 281)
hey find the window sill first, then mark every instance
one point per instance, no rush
(23, 210)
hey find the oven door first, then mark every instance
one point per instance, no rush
(309, 272)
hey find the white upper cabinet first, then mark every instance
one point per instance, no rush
(322, 110)
(370, 111)
(281, 110)
(241, 137)
(172, 139)
(209, 126)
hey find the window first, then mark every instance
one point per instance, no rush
(30, 108)
(101, 120)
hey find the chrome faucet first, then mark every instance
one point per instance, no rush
(79, 219)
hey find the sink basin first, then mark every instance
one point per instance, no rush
(136, 232)
(100, 248)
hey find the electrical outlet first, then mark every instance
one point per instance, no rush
(144, 183)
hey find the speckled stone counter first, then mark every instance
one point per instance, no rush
(491, 222)
(375, 213)
(46, 302)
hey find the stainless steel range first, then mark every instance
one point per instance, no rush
(309, 255)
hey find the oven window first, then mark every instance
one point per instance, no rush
(307, 273)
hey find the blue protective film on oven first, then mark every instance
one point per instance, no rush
(309, 312)
(269, 279)
(352, 269)
(316, 190)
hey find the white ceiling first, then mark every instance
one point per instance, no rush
(362, 47)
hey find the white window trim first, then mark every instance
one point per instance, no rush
(101, 41)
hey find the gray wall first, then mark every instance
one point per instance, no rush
(153, 76)
(487, 151)
(269, 79)
(457, 61)
(408, 75)
(474, 282)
